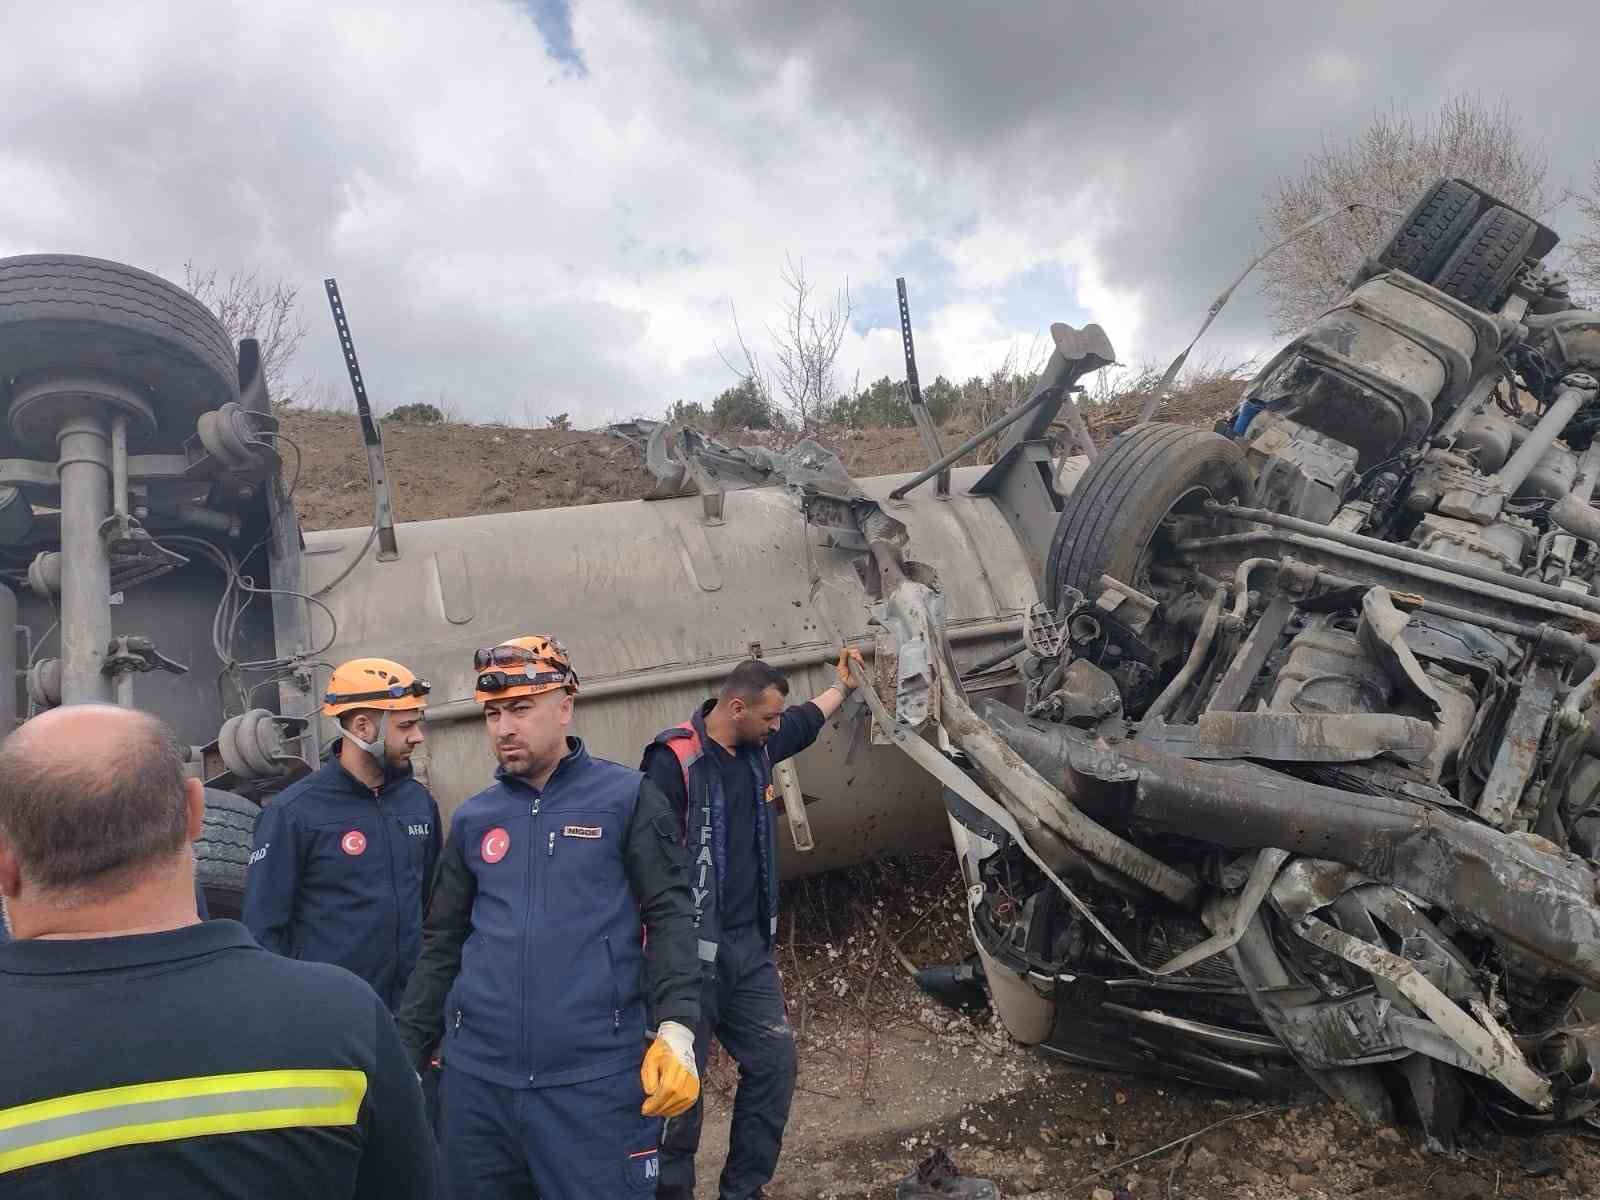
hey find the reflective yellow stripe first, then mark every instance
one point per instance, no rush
(51, 1130)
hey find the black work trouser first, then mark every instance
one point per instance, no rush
(741, 1004)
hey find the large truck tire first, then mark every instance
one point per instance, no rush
(1112, 521)
(65, 316)
(222, 852)
(1480, 270)
(1432, 229)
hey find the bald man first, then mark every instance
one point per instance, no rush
(146, 1053)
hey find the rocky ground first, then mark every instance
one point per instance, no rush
(887, 1075)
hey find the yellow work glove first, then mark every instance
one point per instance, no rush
(671, 1083)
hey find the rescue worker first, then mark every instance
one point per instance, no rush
(147, 1053)
(547, 883)
(342, 860)
(716, 769)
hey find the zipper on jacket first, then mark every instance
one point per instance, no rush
(551, 853)
(458, 1020)
(616, 998)
(394, 877)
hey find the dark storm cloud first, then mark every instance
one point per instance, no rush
(536, 206)
(1189, 113)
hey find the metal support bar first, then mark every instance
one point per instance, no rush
(1518, 756)
(1043, 393)
(1247, 664)
(1407, 554)
(919, 410)
(119, 466)
(85, 559)
(1330, 557)
(1577, 391)
(383, 508)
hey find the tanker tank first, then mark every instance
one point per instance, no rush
(656, 603)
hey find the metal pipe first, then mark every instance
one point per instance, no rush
(1568, 401)
(1407, 554)
(119, 465)
(638, 683)
(1395, 573)
(1000, 425)
(8, 661)
(85, 561)
(1191, 665)
(1241, 585)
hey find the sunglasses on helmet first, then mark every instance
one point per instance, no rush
(505, 656)
(395, 691)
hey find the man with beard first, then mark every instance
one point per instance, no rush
(342, 860)
(536, 934)
(716, 768)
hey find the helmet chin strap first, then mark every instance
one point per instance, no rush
(374, 747)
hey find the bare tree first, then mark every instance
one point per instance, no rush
(265, 309)
(1388, 166)
(1583, 261)
(805, 350)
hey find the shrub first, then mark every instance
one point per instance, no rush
(417, 414)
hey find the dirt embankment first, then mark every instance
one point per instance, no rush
(454, 470)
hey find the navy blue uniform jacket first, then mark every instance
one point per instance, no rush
(340, 873)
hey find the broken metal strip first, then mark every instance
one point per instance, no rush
(383, 507)
(913, 386)
(787, 780)
(1246, 665)
(1518, 756)
(1489, 1046)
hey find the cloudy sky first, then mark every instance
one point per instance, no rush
(535, 207)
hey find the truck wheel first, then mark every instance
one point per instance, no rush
(222, 852)
(1112, 523)
(1431, 230)
(67, 316)
(1481, 268)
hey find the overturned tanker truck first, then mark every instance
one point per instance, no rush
(1268, 752)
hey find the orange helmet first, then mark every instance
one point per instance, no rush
(377, 683)
(522, 666)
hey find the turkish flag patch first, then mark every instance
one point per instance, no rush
(353, 843)
(495, 844)
(581, 831)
